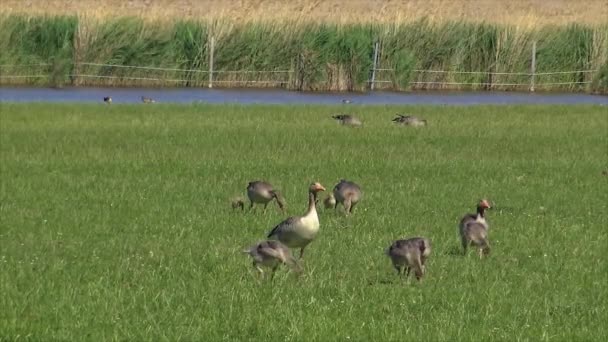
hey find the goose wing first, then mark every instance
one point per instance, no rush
(285, 225)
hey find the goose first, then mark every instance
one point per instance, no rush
(329, 201)
(146, 99)
(347, 101)
(238, 202)
(271, 253)
(479, 216)
(474, 229)
(299, 231)
(263, 192)
(410, 253)
(347, 120)
(409, 120)
(348, 194)
(475, 233)
(107, 99)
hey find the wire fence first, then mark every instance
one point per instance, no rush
(385, 78)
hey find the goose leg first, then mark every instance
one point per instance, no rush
(265, 205)
(352, 206)
(258, 268)
(347, 206)
(465, 244)
(250, 205)
(398, 268)
(302, 252)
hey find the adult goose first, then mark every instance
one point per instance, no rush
(299, 231)
(410, 254)
(271, 254)
(348, 194)
(474, 229)
(107, 99)
(262, 193)
(347, 120)
(409, 120)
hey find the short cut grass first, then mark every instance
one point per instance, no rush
(116, 224)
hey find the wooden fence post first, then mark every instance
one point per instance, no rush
(533, 67)
(373, 80)
(211, 52)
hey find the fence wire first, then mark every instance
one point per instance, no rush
(286, 75)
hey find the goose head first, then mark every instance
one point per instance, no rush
(316, 187)
(484, 204)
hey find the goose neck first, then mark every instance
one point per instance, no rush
(312, 200)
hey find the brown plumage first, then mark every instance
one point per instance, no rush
(262, 193)
(348, 194)
(272, 254)
(347, 120)
(238, 202)
(299, 231)
(410, 254)
(474, 229)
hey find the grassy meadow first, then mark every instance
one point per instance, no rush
(115, 223)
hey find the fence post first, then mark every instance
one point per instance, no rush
(211, 52)
(533, 67)
(373, 80)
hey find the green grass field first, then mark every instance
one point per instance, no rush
(115, 223)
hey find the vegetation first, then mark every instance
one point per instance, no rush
(520, 12)
(115, 223)
(297, 55)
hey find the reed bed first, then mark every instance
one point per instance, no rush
(300, 55)
(513, 12)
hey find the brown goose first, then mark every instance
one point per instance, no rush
(238, 202)
(409, 120)
(480, 215)
(271, 254)
(348, 194)
(299, 231)
(410, 253)
(329, 201)
(474, 229)
(263, 192)
(347, 120)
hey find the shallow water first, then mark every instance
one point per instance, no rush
(274, 96)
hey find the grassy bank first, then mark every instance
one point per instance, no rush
(300, 55)
(115, 223)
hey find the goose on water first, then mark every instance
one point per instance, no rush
(271, 253)
(474, 229)
(299, 231)
(262, 193)
(107, 99)
(347, 120)
(146, 99)
(409, 120)
(410, 254)
(348, 194)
